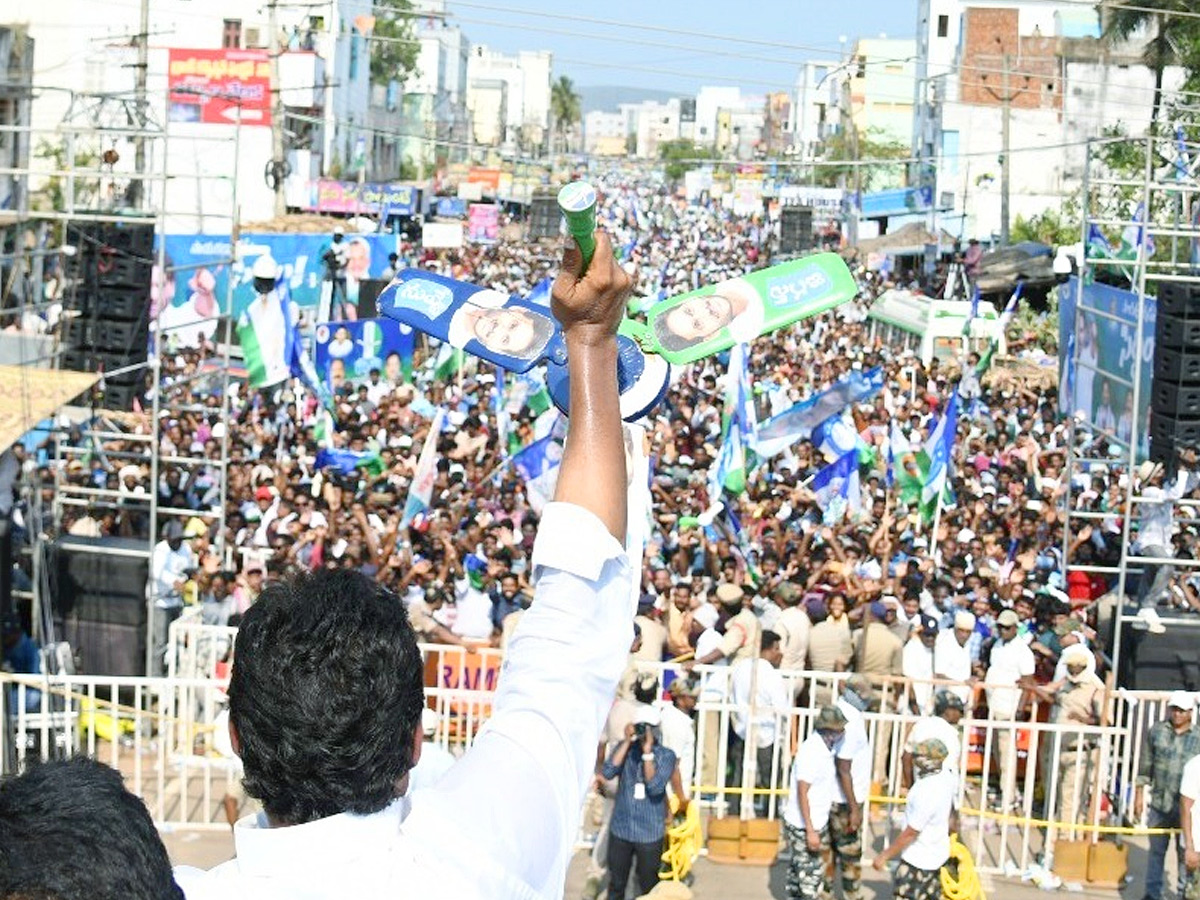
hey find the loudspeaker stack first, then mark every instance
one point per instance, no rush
(107, 308)
(544, 218)
(795, 229)
(1175, 389)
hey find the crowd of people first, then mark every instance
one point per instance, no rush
(982, 600)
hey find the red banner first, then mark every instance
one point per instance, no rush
(209, 86)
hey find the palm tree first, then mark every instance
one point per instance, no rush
(1173, 36)
(564, 108)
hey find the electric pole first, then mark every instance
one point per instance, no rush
(1006, 97)
(278, 161)
(138, 186)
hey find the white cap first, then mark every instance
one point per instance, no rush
(1181, 700)
(647, 715)
(264, 267)
(964, 620)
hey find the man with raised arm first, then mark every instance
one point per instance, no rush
(326, 692)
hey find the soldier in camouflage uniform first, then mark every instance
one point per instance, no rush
(806, 814)
(924, 844)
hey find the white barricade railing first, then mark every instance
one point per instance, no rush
(160, 734)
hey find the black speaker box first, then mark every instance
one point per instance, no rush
(121, 396)
(545, 218)
(1177, 332)
(1182, 431)
(115, 270)
(127, 238)
(80, 359)
(107, 649)
(110, 567)
(1171, 399)
(1179, 299)
(126, 337)
(795, 229)
(1180, 366)
(1159, 662)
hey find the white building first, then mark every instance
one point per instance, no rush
(527, 93)
(814, 114)
(709, 101)
(435, 93)
(654, 124)
(86, 46)
(605, 133)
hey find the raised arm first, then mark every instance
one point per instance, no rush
(593, 463)
(567, 654)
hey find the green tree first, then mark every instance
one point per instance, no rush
(564, 109)
(1052, 226)
(1175, 40)
(683, 156)
(848, 147)
(393, 43)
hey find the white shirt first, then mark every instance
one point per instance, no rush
(770, 698)
(935, 728)
(1190, 787)
(855, 747)
(928, 811)
(1156, 522)
(474, 834)
(166, 567)
(679, 736)
(952, 661)
(435, 762)
(712, 684)
(917, 664)
(1009, 661)
(473, 612)
(814, 765)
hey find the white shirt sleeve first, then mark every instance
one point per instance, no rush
(517, 793)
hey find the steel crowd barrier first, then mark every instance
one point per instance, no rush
(1038, 789)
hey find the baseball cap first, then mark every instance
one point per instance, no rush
(1181, 700)
(263, 493)
(929, 625)
(1007, 618)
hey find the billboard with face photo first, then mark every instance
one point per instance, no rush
(347, 352)
(707, 321)
(489, 324)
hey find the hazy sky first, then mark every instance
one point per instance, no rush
(620, 53)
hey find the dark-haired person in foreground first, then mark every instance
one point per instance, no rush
(326, 692)
(69, 830)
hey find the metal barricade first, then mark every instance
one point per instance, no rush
(160, 734)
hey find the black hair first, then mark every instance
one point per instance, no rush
(69, 830)
(670, 341)
(325, 696)
(770, 639)
(645, 691)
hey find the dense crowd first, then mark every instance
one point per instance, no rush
(982, 600)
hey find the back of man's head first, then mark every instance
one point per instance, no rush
(69, 830)
(325, 696)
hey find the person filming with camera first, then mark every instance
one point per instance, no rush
(643, 768)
